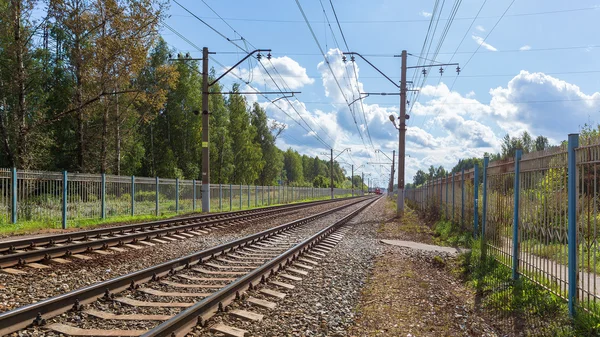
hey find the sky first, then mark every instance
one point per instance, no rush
(525, 66)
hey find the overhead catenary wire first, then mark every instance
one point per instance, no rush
(326, 60)
(312, 132)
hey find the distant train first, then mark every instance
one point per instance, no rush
(376, 190)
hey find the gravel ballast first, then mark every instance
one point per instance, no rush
(19, 290)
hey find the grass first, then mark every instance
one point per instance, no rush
(447, 233)
(167, 210)
(523, 305)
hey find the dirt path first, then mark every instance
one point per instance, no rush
(413, 293)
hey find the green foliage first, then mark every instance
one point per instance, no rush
(449, 234)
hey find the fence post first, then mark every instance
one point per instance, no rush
(515, 243)
(230, 197)
(156, 196)
(64, 203)
(176, 195)
(447, 178)
(248, 196)
(132, 195)
(486, 161)
(241, 194)
(572, 231)
(453, 197)
(256, 196)
(462, 200)
(13, 191)
(220, 197)
(441, 200)
(268, 195)
(103, 196)
(193, 195)
(475, 200)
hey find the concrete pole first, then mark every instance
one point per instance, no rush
(402, 137)
(205, 138)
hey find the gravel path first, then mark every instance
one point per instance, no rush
(323, 303)
(83, 320)
(19, 290)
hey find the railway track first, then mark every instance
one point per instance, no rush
(31, 250)
(136, 304)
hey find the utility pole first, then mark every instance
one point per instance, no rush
(331, 173)
(205, 113)
(205, 128)
(392, 174)
(352, 180)
(362, 183)
(402, 137)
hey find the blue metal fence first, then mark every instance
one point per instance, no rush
(62, 199)
(539, 215)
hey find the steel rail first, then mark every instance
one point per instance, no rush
(22, 317)
(84, 234)
(90, 244)
(184, 322)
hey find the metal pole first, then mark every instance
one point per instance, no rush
(362, 184)
(475, 200)
(392, 172)
(103, 196)
(156, 197)
(230, 197)
(132, 195)
(194, 195)
(256, 196)
(241, 193)
(205, 139)
(453, 204)
(447, 178)
(402, 136)
(176, 195)
(486, 161)
(352, 179)
(515, 248)
(572, 231)
(462, 200)
(248, 196)
(13, 191)
(64, 201)
(331, 173)
(220, 197)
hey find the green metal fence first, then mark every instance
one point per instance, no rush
(41, 197)
(538, 214)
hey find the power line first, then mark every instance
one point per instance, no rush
(314, 133)
(402, 21)
(329, 66)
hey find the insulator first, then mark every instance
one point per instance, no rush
(259, 56)
(457, 69)
(344, 58)
(269, 56)
(424, 71)
(352, 58)
(441, 71)
(407, 102)
(187, 55)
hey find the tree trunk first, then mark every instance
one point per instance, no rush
(104, 136)
(20, 86)
(118, 137)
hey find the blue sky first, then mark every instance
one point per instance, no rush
(537, 70)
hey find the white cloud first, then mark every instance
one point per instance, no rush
(284, 70)
(525, 47)
(482, 43)
(542, 104)
(425, 14)
(480, 28)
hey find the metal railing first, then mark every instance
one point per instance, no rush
(40, 196)
(537, 213)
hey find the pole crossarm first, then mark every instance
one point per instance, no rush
(372, 65)
(362, 97)
(433, 65)
(255, 92)
(381, 93)
(237, 64)
(344, 150)
(383, 153)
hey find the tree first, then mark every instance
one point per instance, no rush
(420, 178)
(272, 162)
(293, 166)
(247, 154)
(541, 143)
